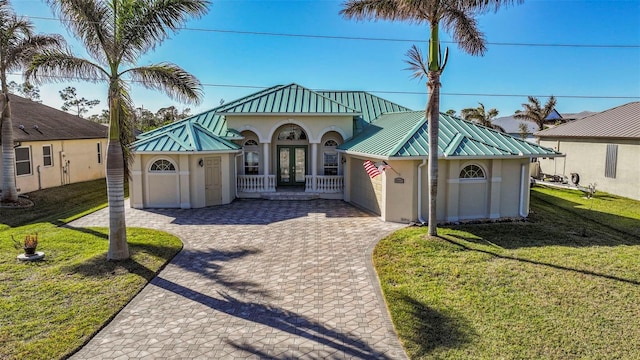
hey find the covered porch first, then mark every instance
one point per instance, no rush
(266, 186)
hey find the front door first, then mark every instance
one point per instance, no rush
(212, 181)
(292, 164)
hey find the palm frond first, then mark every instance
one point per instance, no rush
(22, 52)
(549, 105)
(417, 63)
(169, 78)
(142, 26)
(465, 30)
(60, 66)
(91, 22)
(372, 9)
(491, 5)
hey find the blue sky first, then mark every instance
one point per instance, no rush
(221, 58)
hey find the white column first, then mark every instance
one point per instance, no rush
(265, 155)
(314, 164)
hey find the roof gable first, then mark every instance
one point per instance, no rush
(406, 135)
(33, 121)
(286, 99)
(622, 122)
(185, 136)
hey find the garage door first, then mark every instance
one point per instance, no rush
(162, 185)
(365, 192)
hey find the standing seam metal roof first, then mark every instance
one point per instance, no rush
(622, 122)
(406, 135)
(291, 98)
(183, 137)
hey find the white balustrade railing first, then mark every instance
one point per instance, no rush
(256, 183)
(324, 184)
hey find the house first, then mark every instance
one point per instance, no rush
(512, 126)
(602, 149)
(54, 148)
(290, 137)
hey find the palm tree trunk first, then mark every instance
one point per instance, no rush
(433, 119)
(9, 192)
(118, 247)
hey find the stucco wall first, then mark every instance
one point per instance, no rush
(586, 157)
(315, 126)
(401, 203)
(82, 158)
(185, 188)
(364, 191)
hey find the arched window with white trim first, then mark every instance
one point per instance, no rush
(472, 171)
(251, 157)
(162, 166)
(330, 157)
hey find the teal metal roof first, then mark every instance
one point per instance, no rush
(282, 99)
(183, 136)
(369, 105)
(406, 135)
(210, 120)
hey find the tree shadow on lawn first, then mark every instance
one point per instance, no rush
(431, 330)
(555, 266)
(556, 222)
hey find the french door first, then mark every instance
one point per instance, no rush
(292, 164)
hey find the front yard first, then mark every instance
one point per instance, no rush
(51, 307)
(563, 285)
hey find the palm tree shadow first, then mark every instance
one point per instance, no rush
(98, 266)
(210, 264)
(277, 318)
(433, 330)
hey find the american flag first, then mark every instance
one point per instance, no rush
(371, 169)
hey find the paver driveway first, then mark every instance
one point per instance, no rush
(257, 279)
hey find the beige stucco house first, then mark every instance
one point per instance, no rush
(289, 138)
(53, 147)
(602, 149)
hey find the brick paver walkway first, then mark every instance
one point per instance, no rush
(257, 279)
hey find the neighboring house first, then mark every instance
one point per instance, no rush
(290, 137)
(603, 148)
(53, 147)
(512, 125)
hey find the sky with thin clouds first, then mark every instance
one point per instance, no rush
(587, 53)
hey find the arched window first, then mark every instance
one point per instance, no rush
(472, 172)
(330, 157)
(251, 157)
(162, 165)
(292, 132)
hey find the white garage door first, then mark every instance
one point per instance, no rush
(162, 189)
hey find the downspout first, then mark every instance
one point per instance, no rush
(523, 178)
(420, 218)
(39, 180)
(235, 172)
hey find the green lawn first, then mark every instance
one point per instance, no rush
(563, 285)
(50, 308)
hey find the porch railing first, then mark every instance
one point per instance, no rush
(324, 184)
(256, 183)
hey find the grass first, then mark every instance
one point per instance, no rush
(563, 285)
(48, 309)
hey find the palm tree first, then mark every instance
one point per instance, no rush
(18, 44)
(456, 16)
(482, 116)
(116, 34)
(535, 112)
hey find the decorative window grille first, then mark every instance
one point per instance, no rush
(472, 172)
(162, 166)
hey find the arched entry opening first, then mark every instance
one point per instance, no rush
(292, 155)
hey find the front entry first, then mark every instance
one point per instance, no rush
(292, 164)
